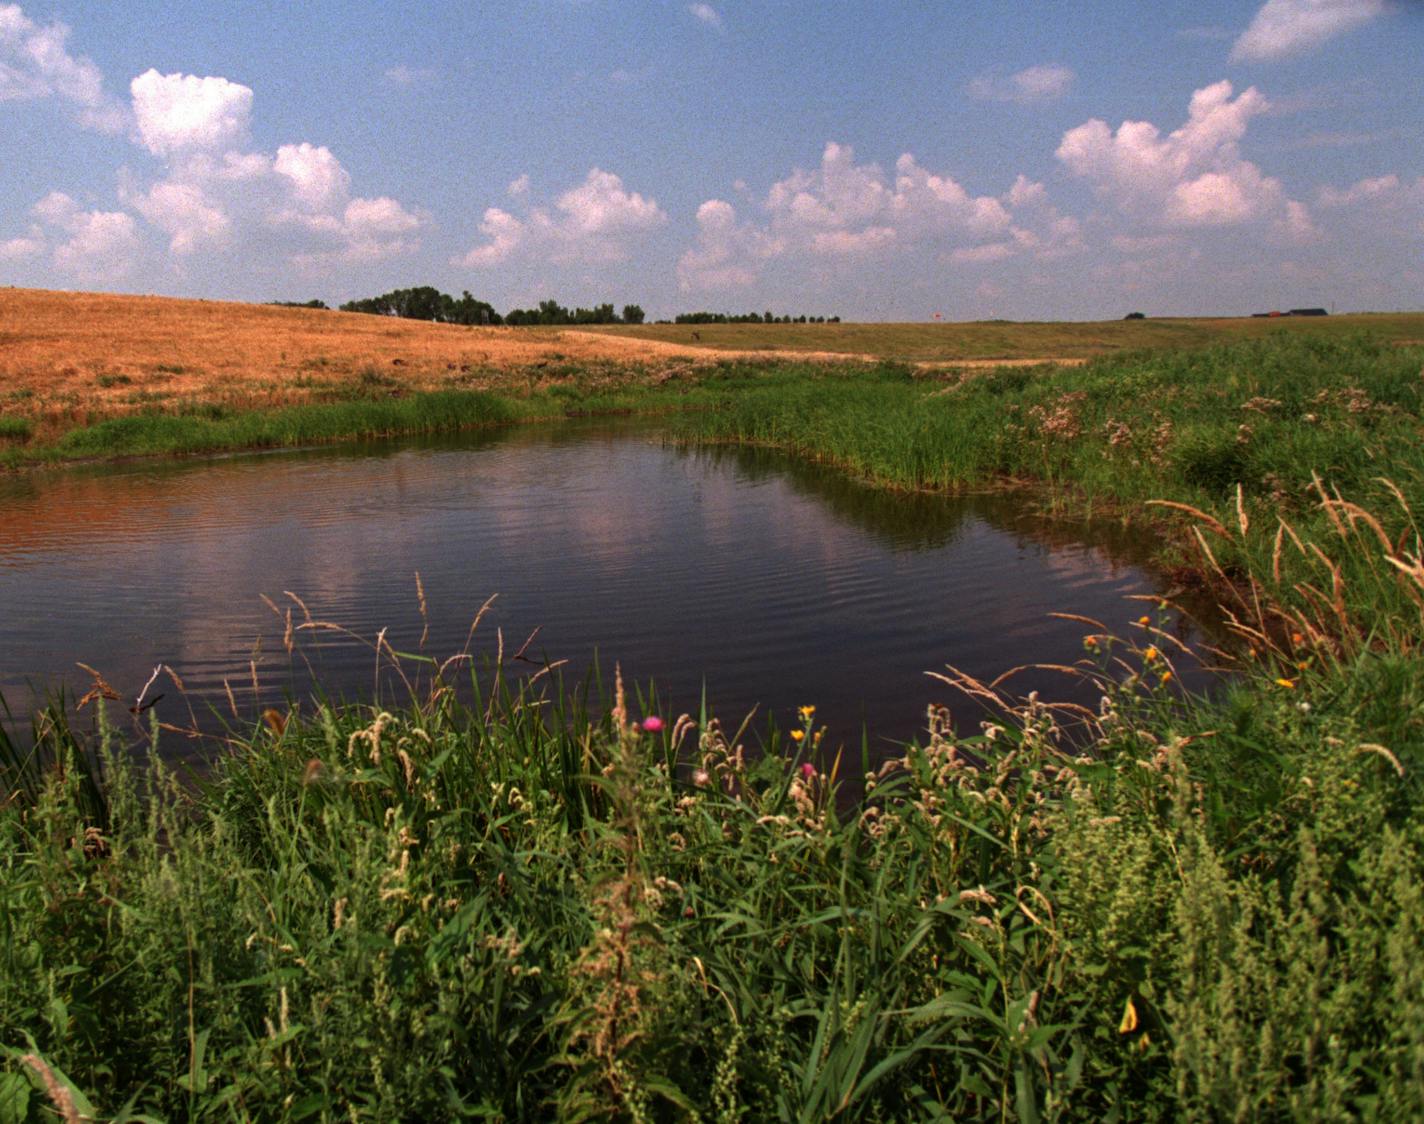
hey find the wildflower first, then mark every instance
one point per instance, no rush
(1302, 665)
(1129, 1018)
(1150, 654)
(1166, 678)
(797, 735)
(1090, 642)
(808, 770)
(701, 778)
(1297, 638)
(652, 724)
(807, 713)
(1288, 684)
(1144, 619)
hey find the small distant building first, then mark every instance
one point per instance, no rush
(1307, 312)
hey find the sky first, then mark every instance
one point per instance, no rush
(886, 160)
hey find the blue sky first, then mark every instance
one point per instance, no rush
(887, 160)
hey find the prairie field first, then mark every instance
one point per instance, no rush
(978, 341)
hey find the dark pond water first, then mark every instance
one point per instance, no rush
(768, 582)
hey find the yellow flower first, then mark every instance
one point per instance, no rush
(1150, 654)
(807, 712)
(1166, 678)
(797, 735)
(1144, 619)
(1129, 1018)
(1288, 684)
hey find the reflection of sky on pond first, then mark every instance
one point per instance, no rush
(776, 583)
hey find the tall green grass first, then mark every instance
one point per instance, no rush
(216, 427)
(528, 905)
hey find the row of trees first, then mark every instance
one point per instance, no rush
(428, 303)
(767, 317)
(552, 312)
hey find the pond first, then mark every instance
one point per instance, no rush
(766, 582)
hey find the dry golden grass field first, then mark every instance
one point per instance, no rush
(68, 359)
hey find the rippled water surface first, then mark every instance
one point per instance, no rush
(772, 583)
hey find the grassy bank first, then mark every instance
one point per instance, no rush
(377, 407)
(421, 908)
(1282, 433)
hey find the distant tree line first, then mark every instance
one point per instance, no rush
(767, 317)
(552, 312)
(428, 303)
(425, 302)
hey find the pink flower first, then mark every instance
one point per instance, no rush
(652, 723)
(808, 770)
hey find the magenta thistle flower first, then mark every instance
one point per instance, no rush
(808, 770)
(652, 723)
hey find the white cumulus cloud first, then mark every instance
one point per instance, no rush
(218, 196)
(594, 222)
(1194, 176)
(184, 212)
(29, 246)
(316, 176)
(177, 112)
(35, 63)
(847, 209)
(726, 252)
(1291, 27)
(1031, 86)
(97, 245)
(705, 13)
(1367, 190)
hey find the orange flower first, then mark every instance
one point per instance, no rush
(797, 735)
(1288, 684)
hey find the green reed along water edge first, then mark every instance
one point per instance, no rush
(540, 904)
(1279, 432)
